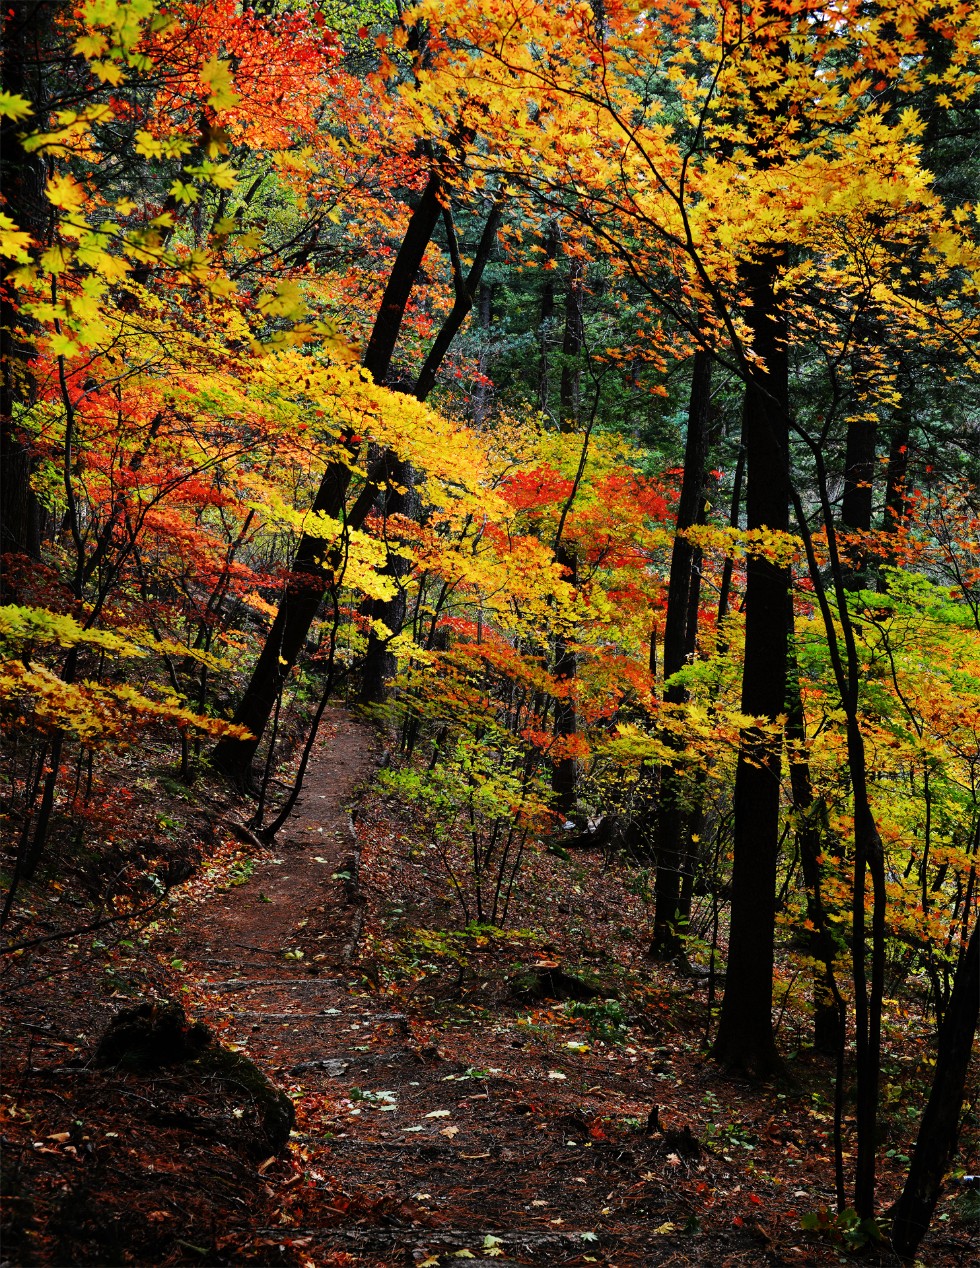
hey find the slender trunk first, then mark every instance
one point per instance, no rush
(680, 628)
(466, 292)
(898, 503)
(481, 392)
(25, 25)
(308, 579)
(857, 501)
(869, 857)
(564, 773)
(827, 1020)
(544, 323)
(745, 1035)
(380, 663)
(939, 1129)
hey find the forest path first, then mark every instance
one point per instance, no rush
(303, 898)
(420, 1139)
(380, 1105)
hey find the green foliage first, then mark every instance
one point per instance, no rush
(606, 1019)
(846, 1229)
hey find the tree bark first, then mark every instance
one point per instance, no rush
(564, 772)
(680, 626)
(25, 27)
(745, 1035)
(857, 501)
(827, 1021)
(939, 1129)
(380, 664)
(309, 577)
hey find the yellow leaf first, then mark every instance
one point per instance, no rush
(65, 192)
(13, 243)
(108, 72)
(14, 107)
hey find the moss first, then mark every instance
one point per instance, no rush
(555, 983)
(243, 1079)
(154, 1036)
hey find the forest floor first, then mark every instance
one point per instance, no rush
(441, 1113)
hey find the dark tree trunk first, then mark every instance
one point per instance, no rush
(939, 1129)
(25, 27)
(745, 1036)
(481, 393)
(466, 292)
(309, 579)
(810, 841)
(857, 501)
(544, 324)
(564, 772)
(898, 504)
(680, 629)
(380, 663)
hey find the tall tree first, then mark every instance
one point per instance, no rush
(311, 573)
(680, 624)
(745, 1034)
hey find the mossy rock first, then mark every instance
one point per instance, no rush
(245, 1080)
(154, 1036)
(151, 1036)
(540, 983)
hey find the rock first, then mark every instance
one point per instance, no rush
(152, 1036)
(241, 1076)
(552, 982)
(329, 1066)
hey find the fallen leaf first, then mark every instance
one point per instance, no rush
(666, 1228)
(449, 1131)
(438, 1114)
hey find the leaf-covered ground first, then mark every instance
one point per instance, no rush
(443, 1111)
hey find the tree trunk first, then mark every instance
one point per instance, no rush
(564, 772)
(856, 504)
(309, 579)
(680, 627)
(939, 1129)
(480, 404)
(745, 1036)
(810, 843)
(25, 26)
(545, 318)
(380, 664)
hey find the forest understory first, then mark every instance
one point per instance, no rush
(445, 1105)
(490, 632)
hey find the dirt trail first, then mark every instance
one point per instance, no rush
(462, 1122)
(304, 899)
(414, 1154)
